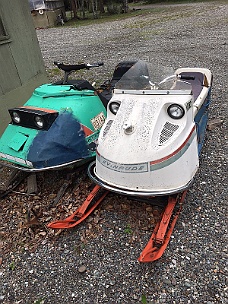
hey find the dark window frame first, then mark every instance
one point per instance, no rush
(4, 37)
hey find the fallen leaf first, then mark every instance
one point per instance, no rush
(43, 233)
(33, 222)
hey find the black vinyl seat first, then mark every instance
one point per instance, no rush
(197, 83)
(79, 84)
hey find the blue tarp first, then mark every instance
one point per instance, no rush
(62, 143)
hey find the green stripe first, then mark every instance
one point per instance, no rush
(174, 158)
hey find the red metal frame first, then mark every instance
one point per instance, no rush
(160, 236)
(81, 213)
(163, 230)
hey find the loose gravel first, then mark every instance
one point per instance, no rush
(104, 269)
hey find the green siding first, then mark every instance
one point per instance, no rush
(9, 78)
(22, 67)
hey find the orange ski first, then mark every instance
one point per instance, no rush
(163, 230)
(81, 213)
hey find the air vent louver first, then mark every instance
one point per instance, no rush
(167, 132)
(107, 127)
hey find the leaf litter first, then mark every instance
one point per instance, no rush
(25, 216)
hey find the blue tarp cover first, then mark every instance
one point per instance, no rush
(62, 143)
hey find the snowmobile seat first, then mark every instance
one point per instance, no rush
(79, 84)
(197, 83)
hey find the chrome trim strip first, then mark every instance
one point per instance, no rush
(92, 175)
(153, 92)
(26, 169)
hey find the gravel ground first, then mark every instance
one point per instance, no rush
(193, 268)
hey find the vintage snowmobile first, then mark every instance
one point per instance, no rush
(150, 143)
(153, 134)
(59, 125)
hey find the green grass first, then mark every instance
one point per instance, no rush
(106, 17)
(101, 19)
(143, 299)
(158, 15)
(40, 301)
(54, 72)
(128, 229)
(12, 266)
(177, 1)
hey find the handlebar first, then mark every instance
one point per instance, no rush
(77, 67)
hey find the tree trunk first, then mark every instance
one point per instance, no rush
(125, 6)
(94, 8)
(101, 6)
(74, 8)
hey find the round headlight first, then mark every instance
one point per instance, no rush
(175, 111)
(16, 117)
(39, 122)
(114, 107)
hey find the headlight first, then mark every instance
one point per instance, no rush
(175, 111)
(39, 121)
(16, 117)
(32, 117)
(114, 107)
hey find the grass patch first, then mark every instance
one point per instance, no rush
(102, 18)
(161, 13)
(12, 266)
(177, 1)
(158, 15)
(143, 299)
(128, 229)
(54, 72)
(40, 301)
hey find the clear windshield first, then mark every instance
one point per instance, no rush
(142, 76)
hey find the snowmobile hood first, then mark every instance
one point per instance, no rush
(41, 149)
(142, 129)
(70, 128)
(148, 144)
(51, 90)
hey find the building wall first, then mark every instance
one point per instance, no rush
(22, 67)
(45, 12)
(48, 18)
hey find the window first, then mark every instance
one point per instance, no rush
(3, 34)
(37, 4)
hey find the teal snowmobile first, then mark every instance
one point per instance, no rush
(59, 125)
